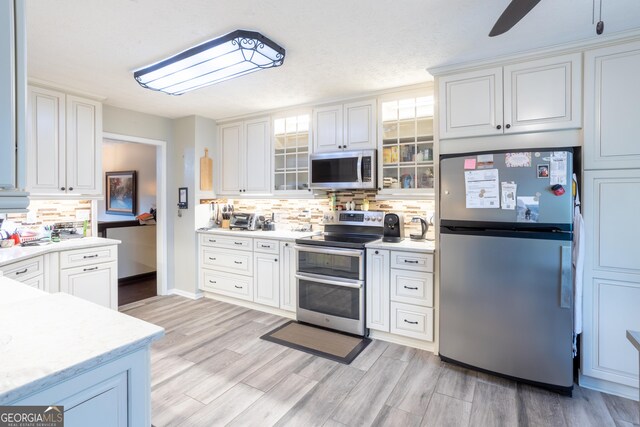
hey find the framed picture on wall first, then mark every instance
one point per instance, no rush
(122, 193)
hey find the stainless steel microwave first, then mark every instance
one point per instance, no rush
(343, 170)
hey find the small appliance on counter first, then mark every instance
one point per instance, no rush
(245, 221)
(393, 228)
(424, 227)
(269, 224)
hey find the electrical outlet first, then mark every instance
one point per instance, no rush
(83, 214)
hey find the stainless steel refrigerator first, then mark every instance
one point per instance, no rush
(506, 285)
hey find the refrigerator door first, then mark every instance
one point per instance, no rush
(506, 306)
(552, 209)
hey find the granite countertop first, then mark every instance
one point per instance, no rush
(405, 245)
(634, 337)
(17, 253)
(276, 234)
(48, 338)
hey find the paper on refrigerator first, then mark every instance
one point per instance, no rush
(558, 168)
(482, 189)
(509, 195)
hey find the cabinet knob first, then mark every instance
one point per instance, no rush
(379, 188)
(63, 188)
(508, 126)
(286, 244)
(499, 127)
(376, 252)
(276, 260)
(70, 188)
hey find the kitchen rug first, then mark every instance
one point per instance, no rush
(317, 341)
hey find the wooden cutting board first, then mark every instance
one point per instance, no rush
(206, 172)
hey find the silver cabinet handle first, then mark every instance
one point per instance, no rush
(212, 241)
(265, 246)
(237, 287)
(90, 256)
(238, 262)
(566, 284)
(212, 259)
(90, 269)
(410, 262)
(237, 243)
(412, 288)
(411, 323)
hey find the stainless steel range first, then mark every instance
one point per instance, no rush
(331, 270)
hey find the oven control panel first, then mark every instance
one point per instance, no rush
(369, 218)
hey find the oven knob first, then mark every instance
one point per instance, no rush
(379, 219)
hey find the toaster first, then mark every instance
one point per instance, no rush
(245, 221)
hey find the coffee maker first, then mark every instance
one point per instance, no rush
(393, 228)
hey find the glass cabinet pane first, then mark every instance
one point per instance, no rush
(291, 153)
(425, 177)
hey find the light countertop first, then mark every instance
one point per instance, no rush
(405, 245)
(634, 337)
(47, 338)
(17, 253)
(276, 234)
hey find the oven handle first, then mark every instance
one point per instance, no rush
(356, 284)
(329, 251)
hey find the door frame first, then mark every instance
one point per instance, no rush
(162, 261)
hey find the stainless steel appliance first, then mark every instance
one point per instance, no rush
(245, 221)
(424, 227)
(393, 228)
(331, 271)
(343, 170)
(506, 289)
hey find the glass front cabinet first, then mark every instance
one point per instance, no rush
(405, 144)
(291, 140)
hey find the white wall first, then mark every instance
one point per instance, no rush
(137, 253)
(123, 156)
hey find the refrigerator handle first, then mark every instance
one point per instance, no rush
(566, 284)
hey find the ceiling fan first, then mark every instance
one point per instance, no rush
(516, 10)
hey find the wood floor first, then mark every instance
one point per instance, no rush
(211, 369)
(136, 291)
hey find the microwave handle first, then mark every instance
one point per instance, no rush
(360, 168)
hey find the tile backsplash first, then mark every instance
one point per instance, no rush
(48, 212)
(294, 212)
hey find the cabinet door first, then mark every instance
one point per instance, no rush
(7, 97)
(98, 283)
(257, 156)
(612, 275)
(543, 95)
(612, 117)
(267, 280)
(230, 165)
(84, 146)
(360, 125)
(104, 405)
(327, 128)
(378, 277)
(288, 284)
(470, 104)
(46, 162)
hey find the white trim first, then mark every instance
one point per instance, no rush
(161, 204)
(608, 387)
(251, 305)
(409, 342)
(186, 294)
(68, 89)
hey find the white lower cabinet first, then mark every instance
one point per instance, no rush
(377, 292)
(400, 293)
(267, 279)
(259, 270)
(93, 283)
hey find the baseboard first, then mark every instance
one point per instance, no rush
(251, 305)
(186, 294)
(608, 387)
(137, 278)
(398, 339)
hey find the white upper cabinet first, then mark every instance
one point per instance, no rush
(612, 116)
(471, 104)
(291, 154)
(245, 148)
(64, 144)
(537, 95)
(350, 126)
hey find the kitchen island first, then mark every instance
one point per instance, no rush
(58, 349)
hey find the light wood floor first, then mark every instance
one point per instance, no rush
(212, 369)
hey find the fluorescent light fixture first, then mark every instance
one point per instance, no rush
(232, 55)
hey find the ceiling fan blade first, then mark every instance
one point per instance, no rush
(516, 10)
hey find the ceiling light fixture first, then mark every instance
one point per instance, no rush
(232, 55)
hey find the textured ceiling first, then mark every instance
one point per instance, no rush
(335, 48)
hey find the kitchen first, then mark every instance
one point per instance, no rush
(546, 85)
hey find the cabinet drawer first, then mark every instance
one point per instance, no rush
(412, 261)
(238, 262)
(89, 256)
(35, 282)
(232, 285)
(232, 242)
(412, 287)
(266, 246)
(23, 270)
(412, 321)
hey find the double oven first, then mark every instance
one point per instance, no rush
(331, 272)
